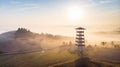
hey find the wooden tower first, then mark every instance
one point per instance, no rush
(80, 40)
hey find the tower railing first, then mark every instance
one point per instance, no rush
(80, 40)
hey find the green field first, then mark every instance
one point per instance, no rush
(98, 57)
(61, 58)
(38, 59)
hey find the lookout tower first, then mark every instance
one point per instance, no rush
(80, 39)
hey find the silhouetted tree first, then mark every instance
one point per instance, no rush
(103, 43)
(112, 43)
(70, 43)
(22, 32)
(95, 45)
(116, 46)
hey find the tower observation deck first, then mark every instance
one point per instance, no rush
(80, 39)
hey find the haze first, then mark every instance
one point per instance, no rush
(101, 18)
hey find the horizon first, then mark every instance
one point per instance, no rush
(61, 17)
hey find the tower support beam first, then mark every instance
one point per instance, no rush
(80, 40)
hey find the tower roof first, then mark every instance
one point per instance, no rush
(80, 28)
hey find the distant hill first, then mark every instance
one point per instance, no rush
(25, 40)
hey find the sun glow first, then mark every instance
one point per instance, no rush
(75, 13)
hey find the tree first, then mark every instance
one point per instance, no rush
(116, 46)
(63, 43)
(70, 43)
(112, 43)
(103, 43)
(22, 33)
(95, 45)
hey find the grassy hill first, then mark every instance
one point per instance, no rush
(23, 48)
(25, 40)
(57, 58)
(38, 59)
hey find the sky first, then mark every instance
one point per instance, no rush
(101, 18)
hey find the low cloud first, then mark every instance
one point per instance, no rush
(114, 32)
(118, 30)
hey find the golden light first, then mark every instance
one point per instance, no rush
(74, 13)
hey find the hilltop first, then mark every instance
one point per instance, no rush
(25, 40)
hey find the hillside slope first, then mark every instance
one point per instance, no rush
(25, 40)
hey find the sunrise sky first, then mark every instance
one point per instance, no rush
(101, 18)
